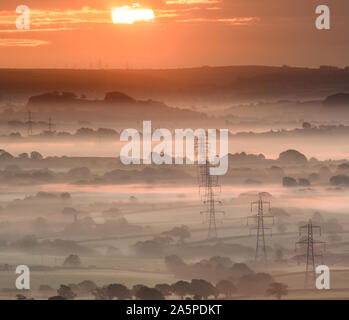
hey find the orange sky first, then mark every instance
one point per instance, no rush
(81, 34)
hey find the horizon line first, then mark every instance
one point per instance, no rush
(285, 66)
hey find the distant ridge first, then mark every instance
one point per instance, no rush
(114, 105)
(213, 84)
(339, 99)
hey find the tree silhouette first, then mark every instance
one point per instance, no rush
(202, 288)
(277, 289)
(181, 288)
(87, 286)
(239, 270)
(164, 288)
(36, 155)
(72, 260)
(254, 284)
(181, 232)
(118, 291)
(57, 298)
(135, 289)
(306, 125)
(226, 287)
(66, 292)
(71, 212)
(145, 293)
(100, 293)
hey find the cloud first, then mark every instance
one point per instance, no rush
(169, 2)
(56, 20)
(22, 43)
(87, 18)
(230, 21)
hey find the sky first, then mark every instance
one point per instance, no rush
(184, 33)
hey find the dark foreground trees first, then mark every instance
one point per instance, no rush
(277, 289)
(146, 293)
(226, 287)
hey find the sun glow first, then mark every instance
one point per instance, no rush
(127, 14)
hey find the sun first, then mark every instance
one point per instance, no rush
(127, 14)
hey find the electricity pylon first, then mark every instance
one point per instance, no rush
(209, 188)
(308, 242)
(260, 226)
(30, 124)
(49, 125)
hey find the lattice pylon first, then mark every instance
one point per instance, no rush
(209, 187)
(259, 218)
(310, 255)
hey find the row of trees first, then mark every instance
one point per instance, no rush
(196, 289)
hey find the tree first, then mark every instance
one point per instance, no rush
(175, 264)
(118, 291)
(254, 284)
(339, 180)
(72, 260)
(226, 287)
(28, 241)
(135, 289)
(293, 156)
(306, 125)
(181, 288)
(240, 269)
(5, 155)
(289, 182)
(181, 232)
(100, 293)
(149, 247)
(36, 155)
(303, 182)
(66, 292)
(223, 261)
(71, 212)
(57, 298)
(23, 155)
(164, 288)
(145, 293)
(87, 286)
(79, 173)
(202, 288)
(277, 289)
